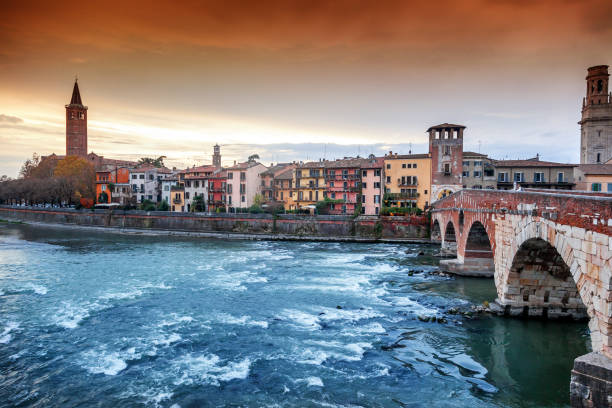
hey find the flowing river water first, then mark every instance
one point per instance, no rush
(109, 320)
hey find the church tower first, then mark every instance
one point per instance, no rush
(76, 125)
(216, 158)
(596, 123)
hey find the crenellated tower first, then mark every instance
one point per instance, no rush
(446, 151)
(76, 125)
(596, 123)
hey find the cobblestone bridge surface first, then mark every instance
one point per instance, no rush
(551, 257)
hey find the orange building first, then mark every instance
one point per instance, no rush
(113, 186)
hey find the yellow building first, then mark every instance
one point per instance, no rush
(309, 184)
(284, 188)
(407, 180)
(177, 199)
(594, 177)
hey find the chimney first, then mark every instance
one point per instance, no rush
(234, 162)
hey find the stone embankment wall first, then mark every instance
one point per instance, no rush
(282, 226)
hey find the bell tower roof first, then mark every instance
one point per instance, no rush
(76, 95)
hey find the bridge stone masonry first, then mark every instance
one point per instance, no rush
(550, 255)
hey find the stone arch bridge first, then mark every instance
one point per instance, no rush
(550, 254)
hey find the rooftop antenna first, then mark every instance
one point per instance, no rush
(479, 142)
(409, 147)
(324, 151)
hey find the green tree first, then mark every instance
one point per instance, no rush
(253, 157)
(147, 205)
(163, 206)
(198, 205)
(156, 162)
(103, 198)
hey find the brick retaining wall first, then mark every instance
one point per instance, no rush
(329, 226)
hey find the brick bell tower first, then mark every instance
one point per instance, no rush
(446, 151)
(596, 123)
(76, 125)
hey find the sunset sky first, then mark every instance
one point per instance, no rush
(298, 79)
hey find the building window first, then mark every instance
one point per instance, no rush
(518, 176)
(388, 179)
(609, 187)
(376, 199)
(560, 177)
(447, 171)
(477, 163)
(538, 177)
(477, 187)
(376, 210)
(477, 173)
(376, 184)
(466, 174)
(151, 177)
(388, 166)
(364, 173)
(596, 187)
(142, 176)
(230, 175)
(403, 165)
(187, 194)
(466, 163)
(364, 185)
(134, 176)
(377, 172)
(598, 157)
(502, 177)
(363, 199)
(242, 198)
(333, 196)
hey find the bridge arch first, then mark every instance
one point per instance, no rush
(540, 275)
(450, 234)
(478, 242)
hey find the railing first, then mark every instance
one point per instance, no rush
(177, 201)
(343, 177)
(402, 196)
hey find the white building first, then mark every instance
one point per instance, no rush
(243, 183)
(145, 181)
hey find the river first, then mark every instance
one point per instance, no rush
(92, 318)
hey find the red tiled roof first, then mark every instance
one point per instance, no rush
(530, 163)
(446, 125)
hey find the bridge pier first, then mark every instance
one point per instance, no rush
(591, 381)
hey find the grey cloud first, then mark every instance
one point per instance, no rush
(10, 119)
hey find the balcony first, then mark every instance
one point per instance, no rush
(401, 196)
(343, 177)
(177, 201)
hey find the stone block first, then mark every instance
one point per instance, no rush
(600, 239)
(588, 247)
(578, 232)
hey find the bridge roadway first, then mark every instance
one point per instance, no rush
(550, 254)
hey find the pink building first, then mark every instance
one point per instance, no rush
(243, 183)
(343, 180)
(372, 178)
